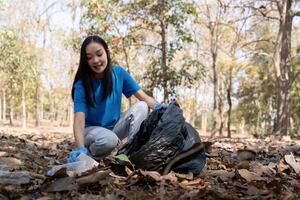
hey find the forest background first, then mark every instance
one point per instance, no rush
(233, 65)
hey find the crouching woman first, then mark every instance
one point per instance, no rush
(97, 92)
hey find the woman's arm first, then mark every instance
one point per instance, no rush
(78, 128)
(142, 96)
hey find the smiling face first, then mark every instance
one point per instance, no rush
(96, 59)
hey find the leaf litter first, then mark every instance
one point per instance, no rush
(236, 168)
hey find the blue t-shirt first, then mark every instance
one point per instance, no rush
(107, 112)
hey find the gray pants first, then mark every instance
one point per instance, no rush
(101, 141)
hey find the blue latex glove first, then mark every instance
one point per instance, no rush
(159, 106)
(75, 153)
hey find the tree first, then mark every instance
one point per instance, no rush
(161, 18)
(18, 65)
(282, 12)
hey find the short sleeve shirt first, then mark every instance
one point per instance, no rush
(106, 112)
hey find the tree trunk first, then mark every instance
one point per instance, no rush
(258, 118)
(11, 112)
(164, 54)
(4, 105)
(128, 68)
(220, 116)
(71, 113)
(229, 88)
(23, 104)
(214, 55)
(51, 109)
(204, 110)
(216, 89)
(37, 101)
(282, 64)
(1, 108)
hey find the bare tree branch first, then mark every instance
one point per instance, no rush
(147, 45)
(255, 41)
(296, 13)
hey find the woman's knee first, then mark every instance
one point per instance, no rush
(142, 105)
(104, 146)
(140, 109)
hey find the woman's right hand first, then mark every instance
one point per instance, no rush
(75, 153)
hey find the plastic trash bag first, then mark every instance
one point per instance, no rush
(162, 137)
(74, 169)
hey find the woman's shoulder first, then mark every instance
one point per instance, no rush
(78, 83)
(118, 68)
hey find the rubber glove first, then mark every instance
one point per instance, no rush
(158, 106)
(75, 153)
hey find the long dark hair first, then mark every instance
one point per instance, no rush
(85, 73)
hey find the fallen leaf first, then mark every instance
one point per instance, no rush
(224, 175)
(11, 161)
(61, 184)
(3, 154)
(287, 195)
(17, 178)
(261, 169)
(153, 174)
(250, 176)
(290, 159)
(122, 157)
(281, 166)
(6, 167)
(188, 176)
(254, 191)
(246, 154)
(93, 178)
(170, 176)
(112, 174)
(129, 171)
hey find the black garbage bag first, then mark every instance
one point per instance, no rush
(194, 162)
(162, 137)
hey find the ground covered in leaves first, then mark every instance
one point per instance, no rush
(238, 168)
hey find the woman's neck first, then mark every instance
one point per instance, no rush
(98, 76)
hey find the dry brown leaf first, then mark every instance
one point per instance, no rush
(261, 169)
(188, 176)
(44, 198)
(170, 176)
(281, 166)
(11, 161)
(197, 182)
(243, 165)
(250, 176)
(246, 154)
(3, 154)
(290, 159)
(254, 191)
(287, 195)
(16, 178)
(93, 178)
(153, 174)
(128, 171)
(61, 184)
(224, 175)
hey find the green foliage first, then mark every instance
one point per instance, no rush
(295, 96)
(17, 65)
(257, 89)
(168, 15)
(126, 24)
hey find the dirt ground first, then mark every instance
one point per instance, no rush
(242, 167)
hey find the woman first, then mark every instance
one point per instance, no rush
(97, 93)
